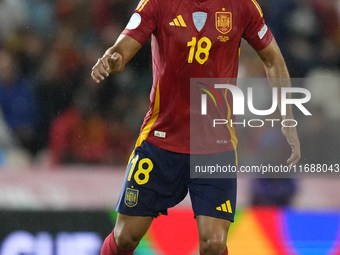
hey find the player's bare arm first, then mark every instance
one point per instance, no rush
(115, 58)
(275, 68)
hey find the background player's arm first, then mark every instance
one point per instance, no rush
(115, 58)
(278, 77)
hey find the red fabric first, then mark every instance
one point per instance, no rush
(110, 247)
(225, 252)
(176, 57)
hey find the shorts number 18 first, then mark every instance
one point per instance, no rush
(145, 166)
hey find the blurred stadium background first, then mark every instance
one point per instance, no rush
(64, 140)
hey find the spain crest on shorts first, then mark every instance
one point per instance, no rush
(131, 197)
(223, 21)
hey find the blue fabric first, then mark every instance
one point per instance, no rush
(168, 182)
(18, 105)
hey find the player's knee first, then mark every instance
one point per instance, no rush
(125, 241)
(212, 246)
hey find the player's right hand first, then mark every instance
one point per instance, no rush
(106, 65)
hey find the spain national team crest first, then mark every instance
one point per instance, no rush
(223, 22)
(131, 197)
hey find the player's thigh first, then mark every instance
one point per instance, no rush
(212, 234)
(155, 181)
(129, 230)
(214, 197)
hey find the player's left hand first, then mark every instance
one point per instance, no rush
(293, 140)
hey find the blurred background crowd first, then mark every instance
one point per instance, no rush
(52, 113)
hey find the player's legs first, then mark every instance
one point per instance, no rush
(212, 235)
(126, 235)
(154, 182)
(129, 230)
(213, 201)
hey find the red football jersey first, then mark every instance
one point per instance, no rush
(192, 39)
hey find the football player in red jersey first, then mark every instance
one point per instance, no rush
(195, 38)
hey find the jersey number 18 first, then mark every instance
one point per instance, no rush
(200, 50)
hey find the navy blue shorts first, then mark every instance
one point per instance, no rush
(158, 179)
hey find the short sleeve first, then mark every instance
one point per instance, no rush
(257, 34)
(143, 21)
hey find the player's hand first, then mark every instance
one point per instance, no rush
(293, 140)
(106, 65)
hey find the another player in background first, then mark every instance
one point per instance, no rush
(190, 39)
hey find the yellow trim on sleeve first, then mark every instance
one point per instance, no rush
(142, 4)
(258, 7)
